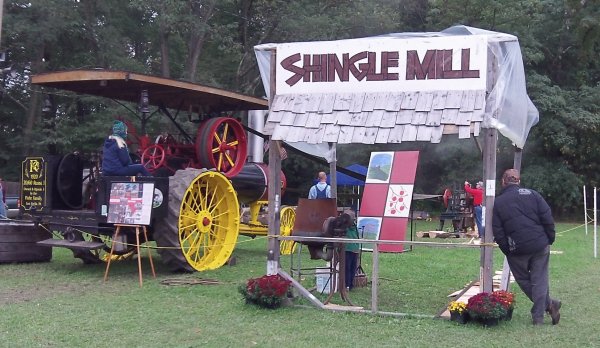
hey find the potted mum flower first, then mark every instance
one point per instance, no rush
(458, 312)
(268, 291)
(486, 309)
(507, 299)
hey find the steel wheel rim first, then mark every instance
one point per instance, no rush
(208, 221)
(223, 141)
(286, 224)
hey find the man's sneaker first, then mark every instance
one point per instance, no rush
(554, 311)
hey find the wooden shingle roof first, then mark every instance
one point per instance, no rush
(375, 118)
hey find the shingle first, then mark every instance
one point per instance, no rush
(326, 105)
(468, 101)
(389, 119)
(424, 133)
(312, 104)
(449, 116)
(369, 102)
(439, 100)
(434, 118)
(288, 118)
(300, 101)
(370, 135)
(342, 101)
(342, 117)
(313, 120)
(419, 117)
(374, 118)
(464, 118)
(404, 116)
(382, 135)
(464, 132)
(425, 101)
(280, 132)
(381, 100)
(279, 102)
(331, 133)
(300, 120)
(436, 134)
(356, 103)
(453, 100)
(395, 136)
(410, 100)
(275, 116)
(394, 101)
(358, 119)
(346, 133)
(410, 133)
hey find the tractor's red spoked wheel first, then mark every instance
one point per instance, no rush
(153, 157)
(221, 144)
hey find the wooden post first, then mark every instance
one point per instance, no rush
(375, 279)
(489, 172)
(505, 279)
(274, 186)
(332, 171)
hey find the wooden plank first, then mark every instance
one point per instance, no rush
(275, 116)
(342, 101)
(357, 102)
(479, 100)
(280, 132)
(370, 135)
(358, 119)
(300, 120)
(382, 135)
(410, 133)
(279, 102)
(346, 133)
(394, 101)
(436, 134)
(420, 117)
(464, 118)
(464, 132)
(424, 102)
(404, 116)
(478, 115)
(331, 133)
(424, 133)
(449, 116)
(288, 118)
(468, 101)
(410, 100)
(299, 106)
(395, 136)
(369, 102)
(328, 118)
(269, 128)
(434, 118)
(374, 119)
(358, 135)
(476, 128)
(381, 100)
(326, 105)
(389, 119)
(439, 100)
(313, 120)
(315, 136)
(342, 117)
(313, 102)
(453, 100)
(295, 134)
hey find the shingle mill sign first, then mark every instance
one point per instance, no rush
(383, 64)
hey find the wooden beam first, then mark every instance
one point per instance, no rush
(489, 173)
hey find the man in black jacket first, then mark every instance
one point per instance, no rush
(524, 230)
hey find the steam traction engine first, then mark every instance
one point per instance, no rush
(196, 211)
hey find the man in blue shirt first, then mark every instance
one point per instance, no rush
(321, 189)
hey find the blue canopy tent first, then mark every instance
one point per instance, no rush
(355, 176)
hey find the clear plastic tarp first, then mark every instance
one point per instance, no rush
(508, 107)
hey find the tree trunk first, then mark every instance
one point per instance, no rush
(197, 37)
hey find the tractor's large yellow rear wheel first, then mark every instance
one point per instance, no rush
(202, 225)
(286, 224)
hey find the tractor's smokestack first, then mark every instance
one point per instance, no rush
(256, 121)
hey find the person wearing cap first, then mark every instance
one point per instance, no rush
(115, 155)
(477, 194)
(524, 230)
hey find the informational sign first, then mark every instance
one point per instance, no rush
(130, 203)
(383, 64)
(387, 197)
(33, 183)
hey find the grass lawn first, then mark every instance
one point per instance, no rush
(64, 303)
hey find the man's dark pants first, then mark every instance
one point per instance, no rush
(531, 273)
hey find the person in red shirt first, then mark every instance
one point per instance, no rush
(477, 194)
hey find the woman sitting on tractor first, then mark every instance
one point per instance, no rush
(115, 159)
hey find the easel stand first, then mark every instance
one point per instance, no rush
(137, 245)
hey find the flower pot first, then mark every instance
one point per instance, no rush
(489, 321)
(460, 318)
(509, 313)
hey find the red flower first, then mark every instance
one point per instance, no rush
(484, 305)
(266, 291)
